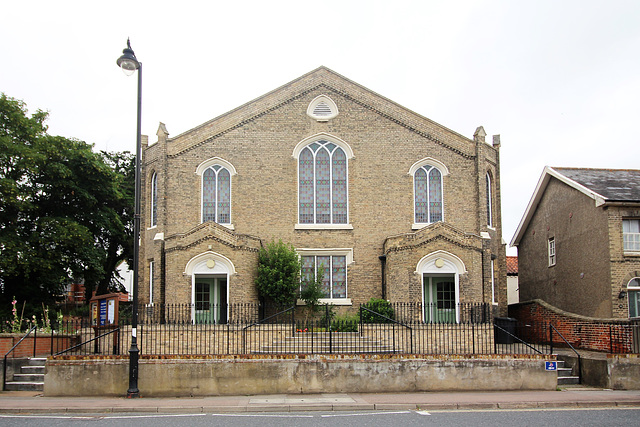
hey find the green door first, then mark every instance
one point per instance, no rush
(211, 300)
(439, 298)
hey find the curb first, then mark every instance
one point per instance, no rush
(324, 408)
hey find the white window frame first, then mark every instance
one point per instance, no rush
(493, 284)
(633, 287)
(489, 201)
(202, 167)
(153, 214)
(444, 171)
(630, 240)
(347, 253)
(551, 250)
(296, 155)
(151, 268)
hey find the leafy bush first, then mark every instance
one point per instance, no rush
(345, 323)
(278, 273)
(379, 306)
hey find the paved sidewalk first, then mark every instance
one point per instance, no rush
(32, 402)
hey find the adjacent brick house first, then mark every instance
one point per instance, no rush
(579, 242)
(391, 203)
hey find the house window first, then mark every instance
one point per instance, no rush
(154, 200)
(552, 251)
(489, 201)
(427, 194)
(334, 283)
(493, 283)
(631, 234)
(633, 290)
(216, 195)
(151, 282)
(322, 184)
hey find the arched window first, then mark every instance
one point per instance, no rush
(216, 195)
(489, 201)
(428, 206)
(633, 291)
(154, 200)
(322, 184)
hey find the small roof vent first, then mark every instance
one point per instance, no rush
(322, 108)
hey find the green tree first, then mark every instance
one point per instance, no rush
(278, 273)
(60, 204)
(311, 292)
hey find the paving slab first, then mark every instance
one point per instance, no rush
(29, 402)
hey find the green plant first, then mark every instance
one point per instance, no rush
(381, 311)
(345, 323)
(311, 292)
(278, 276)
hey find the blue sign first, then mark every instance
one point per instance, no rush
(551, 366)
(103, 312)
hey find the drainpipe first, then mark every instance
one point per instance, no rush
(383, 264)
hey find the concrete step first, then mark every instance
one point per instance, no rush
(37, 361)
(568, 380)
(24, 386)
(32, 369)
(31, 376)
(28, 378)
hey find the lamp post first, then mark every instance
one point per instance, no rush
(129, 64)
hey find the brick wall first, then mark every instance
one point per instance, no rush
(582, 332)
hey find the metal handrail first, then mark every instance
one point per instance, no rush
(390, 320)
(512, 336)
(4, 366)
(259, 322)
(86, 342)
(553, 328)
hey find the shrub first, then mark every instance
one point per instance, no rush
(381, 307)
(278, 273)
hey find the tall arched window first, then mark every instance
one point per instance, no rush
(428, 206)
(633, 290)
(154, 200)
(322, 184)
(216, 195)
(489, 201)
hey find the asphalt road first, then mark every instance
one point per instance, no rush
(520, 418)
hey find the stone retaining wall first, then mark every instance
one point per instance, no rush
(255, 375)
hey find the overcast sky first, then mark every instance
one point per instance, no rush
(558, 80)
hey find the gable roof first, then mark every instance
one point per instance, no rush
(604, 186)
(333, 84)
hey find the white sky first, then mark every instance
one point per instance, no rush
(558, 80)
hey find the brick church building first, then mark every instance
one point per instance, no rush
(392, 204)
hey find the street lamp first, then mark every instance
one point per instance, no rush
(129, 64)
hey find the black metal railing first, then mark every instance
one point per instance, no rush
(254, 328)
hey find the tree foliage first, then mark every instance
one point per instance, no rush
(278, 273)
(64, 209)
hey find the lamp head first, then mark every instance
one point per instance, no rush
(128, 61)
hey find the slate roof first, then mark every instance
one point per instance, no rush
(612, 184)
(602, 185)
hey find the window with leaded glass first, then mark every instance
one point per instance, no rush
(154, 200)
(334, 284)
(322, 184)
(216, 195)
(427, 195)
(489, 201)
